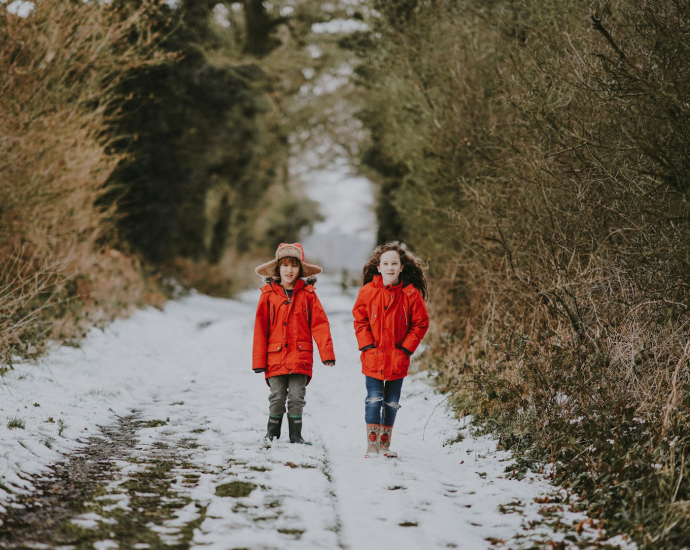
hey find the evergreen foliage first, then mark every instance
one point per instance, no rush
(199, 158)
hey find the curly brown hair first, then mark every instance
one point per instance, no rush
(413, 267)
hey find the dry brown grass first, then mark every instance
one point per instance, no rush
(58, 69)
(235, 272)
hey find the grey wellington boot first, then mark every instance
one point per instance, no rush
(295, 425)
(275, 422)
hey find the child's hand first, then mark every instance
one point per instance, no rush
(259, 370)
(329, 363)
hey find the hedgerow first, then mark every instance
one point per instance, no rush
(538, 154)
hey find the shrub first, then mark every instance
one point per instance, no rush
(58, 71)
(550, 145)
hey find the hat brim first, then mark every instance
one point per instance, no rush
(269, 269)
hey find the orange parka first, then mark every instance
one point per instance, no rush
(284, 328)
(394, 319)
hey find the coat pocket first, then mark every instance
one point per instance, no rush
(305, 357)
(401, 362)
(305, 346)
(274, 355)
(368, 358)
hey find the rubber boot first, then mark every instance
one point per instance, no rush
(275, 422)
(385, 442)
(295, 425)
(373, 431)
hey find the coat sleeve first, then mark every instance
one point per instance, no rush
(419, 323)
(362, 326)
(261, 329)
(321, 330)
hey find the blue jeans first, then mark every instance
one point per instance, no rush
(381, 404)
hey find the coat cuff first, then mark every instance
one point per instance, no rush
(327, 355)
(364, 342)
(410, 344)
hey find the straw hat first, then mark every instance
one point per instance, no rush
(286, 250)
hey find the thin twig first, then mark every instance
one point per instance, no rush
(432, 412)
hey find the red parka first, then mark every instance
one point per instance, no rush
(284, 328)
(394, 319)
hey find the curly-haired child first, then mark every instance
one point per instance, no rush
(390, 321)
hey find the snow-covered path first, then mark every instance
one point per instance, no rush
(186, 370)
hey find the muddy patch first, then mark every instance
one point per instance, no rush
(109, 496)
(159, 481)
(42, 516)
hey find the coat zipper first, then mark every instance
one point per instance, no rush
(405, 310)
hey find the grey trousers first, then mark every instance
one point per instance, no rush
(292, 387)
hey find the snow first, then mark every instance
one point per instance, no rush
(190, 365)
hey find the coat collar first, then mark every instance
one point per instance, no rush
(299, 285)
(378, 283)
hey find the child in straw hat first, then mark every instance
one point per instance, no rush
(289, 315)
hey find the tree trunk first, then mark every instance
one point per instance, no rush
(258, 25)
(220, 232)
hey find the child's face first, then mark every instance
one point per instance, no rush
(390, 267)
(289, 272)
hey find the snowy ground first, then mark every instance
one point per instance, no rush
(186, 370)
